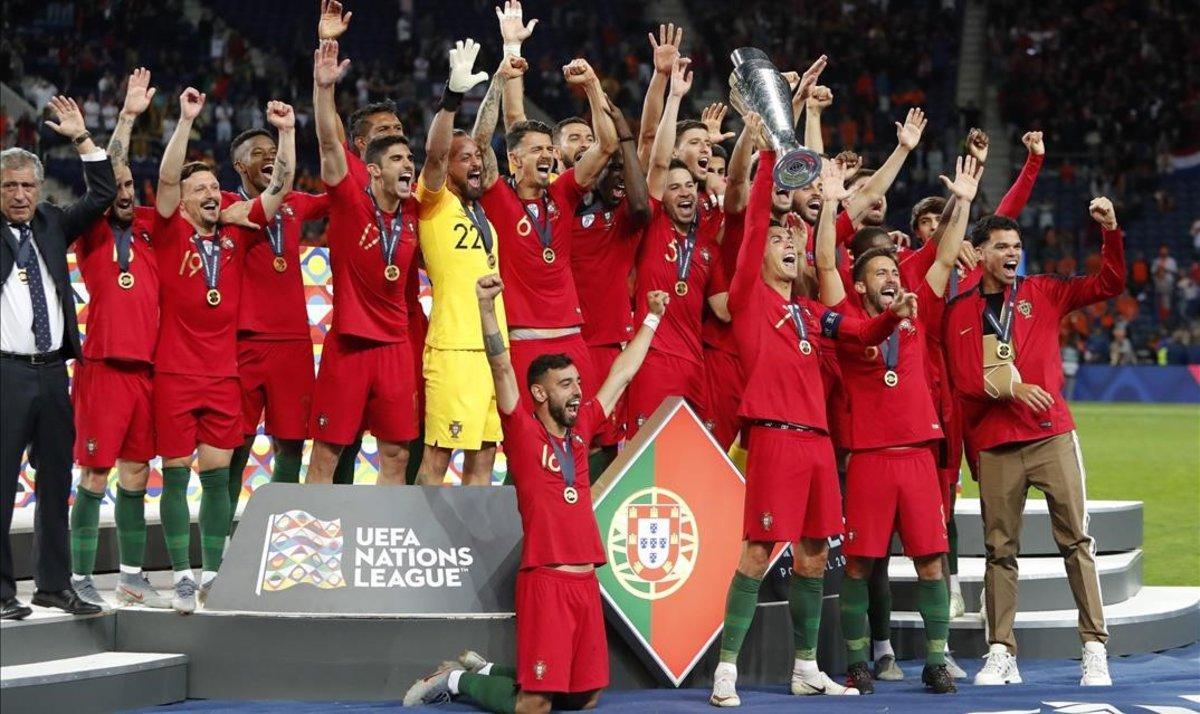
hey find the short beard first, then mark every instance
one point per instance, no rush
(465, 191)
(558, 412)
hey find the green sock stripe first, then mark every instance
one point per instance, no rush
(286, 469)
(805, 597)
(933, 602)
(214, 516)
(131, 526)
(492, 692)
(176, 519)
(740, 605)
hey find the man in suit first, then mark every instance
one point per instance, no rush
(38, 333)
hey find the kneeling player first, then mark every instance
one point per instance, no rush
(562, 653)
(892, 477)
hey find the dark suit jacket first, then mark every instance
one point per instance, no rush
(54, 229)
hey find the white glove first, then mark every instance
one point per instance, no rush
(462, 60)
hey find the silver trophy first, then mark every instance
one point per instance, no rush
(757, 86)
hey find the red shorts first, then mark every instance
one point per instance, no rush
(524, 352)
(661, 376)
(893, 490)
(613, 431)
(791, 486)
(191, 409)
(723, 373)
(114, 415)
(364, 384)
(278, 376)
(561, 645)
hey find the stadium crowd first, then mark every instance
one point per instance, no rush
(583, 272)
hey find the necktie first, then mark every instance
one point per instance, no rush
(27, 260)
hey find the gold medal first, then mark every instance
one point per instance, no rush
(23, 276)
(805, 347)
(1004, 350)
(548, 255)
(681, 288)
(890, 378)
(491, 261)
(125, 280)
(280, 264)
(213, 297)
(392, 273)
(570, 495)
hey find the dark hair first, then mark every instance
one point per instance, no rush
(864, 239)
(687, 125)
(358, 120)
(244, 137)
(860, 174)
(984, 227)
(860, 263)
(543, 364)
(379, 145)
(518, 131)
(720, 152)
(559, 127)
(929, 204)
(678, 164)
(194, 167)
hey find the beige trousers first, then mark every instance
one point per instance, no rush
(1055, 467)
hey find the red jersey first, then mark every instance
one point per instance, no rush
(658, 266)
(783, 378)
(366, 304)
(603, 246)
(715, 332)
(273, 305)
(121, 323)
(556, 532)
(356, 168)
(537, 292)
(1018, 194)
(196, 337)
(902, 414)
(710, 215)
(913, 264)
(1040, 304)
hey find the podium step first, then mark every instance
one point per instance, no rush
(50, 634)
(1116, 526)
(1156, 619)
(107, 681)
(1043, 581)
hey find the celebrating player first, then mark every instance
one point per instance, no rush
(367, 375)
(562, 651)
(197, 399)
(1002, 352)
(114, 419)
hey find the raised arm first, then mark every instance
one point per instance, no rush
(908, 135)
(1018, 194)
(818, 101)
(626, 365)
(833, 190)
(441, 129)
(511, 67)
(281, 116)
(508, 394)
(167, 197)
(1074, 293)
(637, 196)
(593, 161)
(737, 187)
(963, 188)
(327, 71)
(138, 94)
(97, 169)
(666, 54)
(513, 32)
(664, 140)
(332, 24)
(757, 223)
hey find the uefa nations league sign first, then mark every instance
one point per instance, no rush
(373, 550)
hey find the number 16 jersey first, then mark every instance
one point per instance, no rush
(456, 256)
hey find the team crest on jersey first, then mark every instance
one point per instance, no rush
(851, 534)
(226, 243)
(91, 447)
(705, 254)
(767, 520)
(907, 326)
(455, 429)
(709, 424)
(539, 670)
(534, 209)
(322, 421)
(551, 210)
(288, 210)
(588, 220)
(1025, 308)
(608, 218)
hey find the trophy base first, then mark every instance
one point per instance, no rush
(797, 168)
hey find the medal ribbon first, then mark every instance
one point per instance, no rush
(390, 237)
(797, 321)
(684, 265)
(1003, 324)
(565, 455)
(891, 350)
(123, 239)
(479, 219)
(274, 228)
(210, 258)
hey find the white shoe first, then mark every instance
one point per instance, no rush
(958, 607)
(820, 683)
(1000, 667)
(952, 667)
(472, 661)
(724, 692)
(1095, 666)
